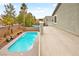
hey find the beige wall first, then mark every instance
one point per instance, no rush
(68, 17)
(48, 20)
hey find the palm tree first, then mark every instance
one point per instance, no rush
(23, 8)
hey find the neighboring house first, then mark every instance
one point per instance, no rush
(48, 20)
(66, 17)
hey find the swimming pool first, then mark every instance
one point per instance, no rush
(24, 43)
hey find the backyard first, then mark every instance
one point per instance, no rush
(28, 31)
(13, 26)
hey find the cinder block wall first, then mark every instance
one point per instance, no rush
(68, 17)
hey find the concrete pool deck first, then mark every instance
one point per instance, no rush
(56, 42)
(33, 52)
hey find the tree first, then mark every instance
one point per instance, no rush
(24, 6)
(20, 18)
(24, 18)
(8, 20)
(9, 15)
(9, 10)
(30, 20)
(22, 14)
(34, 20)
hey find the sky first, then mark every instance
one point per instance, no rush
(39, 10)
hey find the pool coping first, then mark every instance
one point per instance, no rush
(4, 50)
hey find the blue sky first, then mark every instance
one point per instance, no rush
(39, 10)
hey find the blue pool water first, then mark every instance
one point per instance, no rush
(24, 43)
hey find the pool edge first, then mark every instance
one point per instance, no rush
(5, 51)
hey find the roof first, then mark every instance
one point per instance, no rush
(57, 7)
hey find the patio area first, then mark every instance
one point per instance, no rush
(56, 42)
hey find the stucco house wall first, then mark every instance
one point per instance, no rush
(48, 20)
(67, 17)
